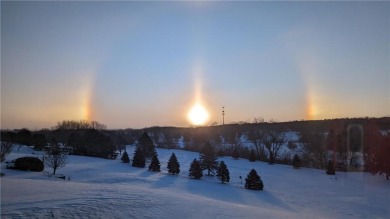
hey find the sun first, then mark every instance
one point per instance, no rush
(198, 115)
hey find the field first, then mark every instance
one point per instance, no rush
(101, 188)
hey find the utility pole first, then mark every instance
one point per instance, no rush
(223, 115)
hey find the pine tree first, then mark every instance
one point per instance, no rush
(235, 153)
(139, 158)
(208, 159)
(253, 181)
(173, 165)
(223, 172)
(296, 162)
(252, 156)
(330, 168)
(146, 145)
(155, 164)
(125, 158)
(195, 170)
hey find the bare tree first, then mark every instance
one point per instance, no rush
(257, 137)
(55, 158)
(273, 143)
(313, 149)
(6, 148)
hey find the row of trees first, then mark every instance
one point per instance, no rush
(145, 150)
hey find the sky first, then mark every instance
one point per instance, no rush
(142, 64)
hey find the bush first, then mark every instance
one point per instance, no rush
(296, 163)
(125, 158)
(253, 181)
(330, 168)
(29, 163)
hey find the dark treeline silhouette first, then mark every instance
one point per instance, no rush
(345, 142)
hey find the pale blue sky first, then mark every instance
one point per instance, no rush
(138, 64)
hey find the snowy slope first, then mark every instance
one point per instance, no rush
(100, 188)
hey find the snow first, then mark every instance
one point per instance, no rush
(101, 188)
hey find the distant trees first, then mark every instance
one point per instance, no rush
(377, 157)
(20, 137)
(235, 153)
(6, 148)
(258, 137)
(313, 150)
(91, 142)
(6, 145)
(125, 158)
(273, 143)
(154, 164)
(173, 165)
(195, 170)
(54, 157)
(39, 141)
(252, 156)
(253, 181)
(208, 159)
(223, 173)
(79, 125)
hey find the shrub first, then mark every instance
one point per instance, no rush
(125, 158)
(296, 163)
(330, 168)
(29, 163)
(253, 181)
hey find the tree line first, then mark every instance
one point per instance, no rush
(318, 142)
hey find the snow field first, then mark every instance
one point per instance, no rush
(101, 188)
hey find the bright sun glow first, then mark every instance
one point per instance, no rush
(198, 115)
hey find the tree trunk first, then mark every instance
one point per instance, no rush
(387, 176)
(54, 171)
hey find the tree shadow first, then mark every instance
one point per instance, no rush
(167, 180)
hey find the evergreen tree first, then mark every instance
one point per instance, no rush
(252, 156)
(253, 181)
(208, 159)
(155, 164)
(330, 168)
(125, 158)
(235, 153)
(173, 165)
(223, 173)
(139, 158)
(296, 162)
(195, 170)
(146, 145)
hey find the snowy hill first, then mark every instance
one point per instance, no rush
(101, 188)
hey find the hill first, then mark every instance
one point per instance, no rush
(101, 188)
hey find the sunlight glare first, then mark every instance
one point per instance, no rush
(198, 115)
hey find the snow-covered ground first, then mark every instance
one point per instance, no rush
(101, 188)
